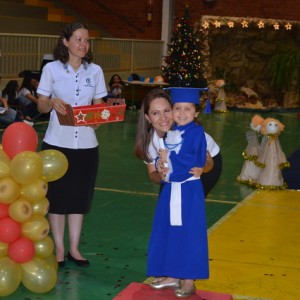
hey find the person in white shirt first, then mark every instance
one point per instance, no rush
(72, 79)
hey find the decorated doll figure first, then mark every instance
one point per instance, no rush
(220, 102)
(271, 159)
(250, 170)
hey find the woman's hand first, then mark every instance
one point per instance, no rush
(209, 164)
(58, 105)
(95, 126)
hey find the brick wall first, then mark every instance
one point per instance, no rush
(127, 19)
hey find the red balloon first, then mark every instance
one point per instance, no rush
(10, 230)
(19, 137)
(3, 210)
(21, 250)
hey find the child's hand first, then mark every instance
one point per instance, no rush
(197, 172)
(162, 169)
(163, 155)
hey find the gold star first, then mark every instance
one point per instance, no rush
(261, 24)
(205, 25)
(244, 24)
(80, 117)
(288, 26)
(217, 24)
(230, 24)
(276, 26)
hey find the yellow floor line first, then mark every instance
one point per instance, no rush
(255, 248)
(155, 194)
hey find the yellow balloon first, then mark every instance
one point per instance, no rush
(38, 275)
(10, 276)
(4, 156)
(3, 249)
(20, 210)
(44, 247)
(55, 164)
(4, 164)
(9, 190)
(41, 207)
(51, 260)
(36, 229)
(35, 191)
(4, 169)
(26, 167)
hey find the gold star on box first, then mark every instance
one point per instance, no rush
(205, 25)
(288, 26)
(217, 24)
(276, 26)
(230, 24)
(261, 24)
(244, 24)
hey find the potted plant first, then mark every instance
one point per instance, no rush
(284, 70)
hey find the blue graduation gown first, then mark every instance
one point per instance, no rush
(182, 251)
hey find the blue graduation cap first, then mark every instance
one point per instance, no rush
(182, 94)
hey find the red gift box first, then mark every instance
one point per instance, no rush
(112, 111)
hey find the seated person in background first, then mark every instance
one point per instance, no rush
(115, 87)
(27, 98)
(9, 115)
(135, 77)
(10, 92)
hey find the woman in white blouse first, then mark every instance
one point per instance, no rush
(71, 79)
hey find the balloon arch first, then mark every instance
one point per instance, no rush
(26, 250)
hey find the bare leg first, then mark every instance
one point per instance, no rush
(75, 225)
(157, 279)
(187, 285)
(168, 280)
(57, 223)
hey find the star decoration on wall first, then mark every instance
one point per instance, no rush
(205, 25)
(217, 24)
(230, 22)
(244, 24)
(261, 24)
(288, 26)
(276, 26)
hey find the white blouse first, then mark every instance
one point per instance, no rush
(78, 88)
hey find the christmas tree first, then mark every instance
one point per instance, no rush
(183, 63)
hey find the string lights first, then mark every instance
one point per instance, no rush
(208, 22)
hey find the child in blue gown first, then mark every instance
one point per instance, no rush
(178, 247)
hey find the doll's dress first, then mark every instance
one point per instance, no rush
(250, 170)
(271, 160)
(220, 103)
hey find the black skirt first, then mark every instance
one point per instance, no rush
(73, 193)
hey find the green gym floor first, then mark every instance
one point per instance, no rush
(246, 260)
